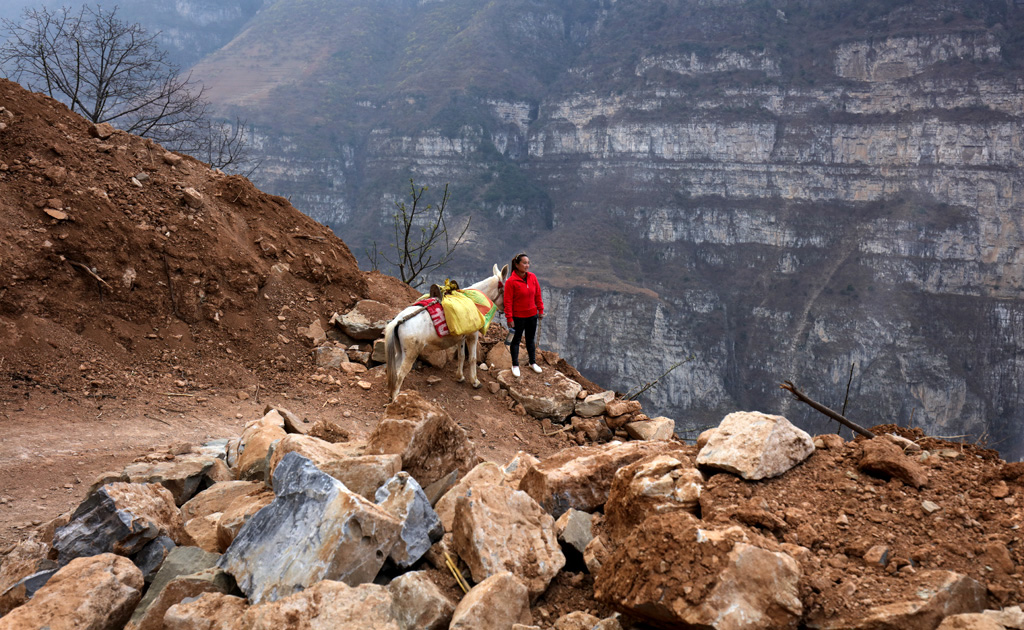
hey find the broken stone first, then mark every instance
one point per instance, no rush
(171, 158)
(550, 395)
(92, 592)
(581, 478)
(366, 320)
(660, 428)
(203, 532)
(327, 605)
(403, 498)
(498, 529)
(255, 446)
(483, 474)
(576, 620)
(101, 130)
(574, 530)
(379, 352)
(218, 497)
(210, 611)
(615, 408)
(59, 215)
(882, 457)
(829, 442)
(180, 561)
(755, 445)
(430, 443)
(594, 428)
(328, 431)
(315, 529)
(595, 554)
(192, 198)
(496, 603)
(499, 358)
(315, 333)
(365, 473)
(938, 594)
(594, 404)
(329, 357)
(25, 569)
(237, 514)
(651, 576)
(120, 518)
(419, 604)
(291, 422)
(56, 174)
(516, 469)
(656, 484)
(182, 476)
(152, 556)
(321, 452)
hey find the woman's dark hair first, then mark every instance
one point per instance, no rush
(517, 258)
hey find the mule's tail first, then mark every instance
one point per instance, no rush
(393, 352)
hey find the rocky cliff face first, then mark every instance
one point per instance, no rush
(773, 190)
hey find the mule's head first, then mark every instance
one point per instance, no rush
(498, 278)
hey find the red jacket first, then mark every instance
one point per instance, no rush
(522, 297)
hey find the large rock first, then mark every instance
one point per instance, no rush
(497, 603)
(575, 531)
(179, 562)
(28, 559)
(363, 474)
(497, 529)
(321, 452)
(419, 604)
(430, 443)
(594, 404)
(581, 477)
(152, 556)
(938, 594)
(316, 529)
(179, 589)
(183, 476)
(498, 358)
(255, 444)
(660, 428)
(516, 469)
(203, 532)
(483, 474)
(120, 518)
(656, 484)
(548, 395)
(327, 605)
(881, 457)
(403, 498)
(366, 320)
(209, 611)
(94, 593)
(218, 497)
(755, 445)
(673, 573)
(238, 514)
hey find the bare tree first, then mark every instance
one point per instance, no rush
(422, 242)
(111, 71)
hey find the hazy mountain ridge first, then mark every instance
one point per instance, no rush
(780, 189)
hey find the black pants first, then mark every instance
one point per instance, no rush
(526, 325)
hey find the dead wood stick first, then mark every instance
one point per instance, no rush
(88, 271)
(157, 419)
(647, 386)
(176, 394)
(790, 387)
(557, 431)
(170, 287)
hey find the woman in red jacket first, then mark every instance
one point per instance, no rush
(523, 308)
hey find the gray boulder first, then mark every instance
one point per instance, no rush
(315, 529)
(403, 498)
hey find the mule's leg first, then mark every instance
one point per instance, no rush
(462, 359)
(474, 342)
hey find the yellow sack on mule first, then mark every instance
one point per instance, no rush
(461, 314)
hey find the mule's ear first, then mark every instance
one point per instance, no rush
(504, 271)
(495, 271)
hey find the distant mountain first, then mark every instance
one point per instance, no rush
(776, 188)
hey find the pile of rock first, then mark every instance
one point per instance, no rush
(278, 529)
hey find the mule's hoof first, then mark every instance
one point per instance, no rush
(461, 379)
(477, 385)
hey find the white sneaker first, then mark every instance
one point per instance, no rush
(536, 368)
(515, 371)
